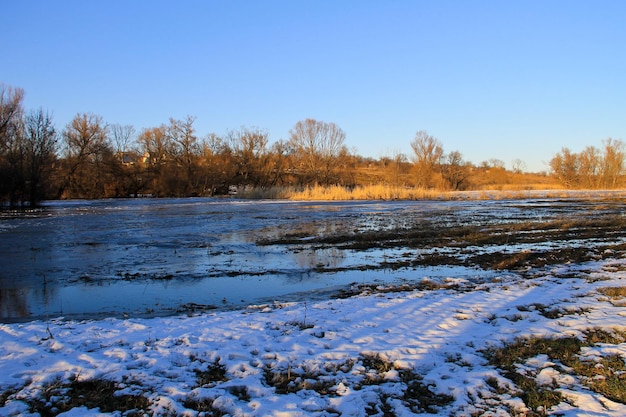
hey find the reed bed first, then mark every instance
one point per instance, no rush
(388, 192)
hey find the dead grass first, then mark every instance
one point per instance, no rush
(373, 368)
(613, 292)
(214, 373)
(59, 397)
(204, 406)
(370, 192)
(382, 191)
(606, 376)
(553, 313)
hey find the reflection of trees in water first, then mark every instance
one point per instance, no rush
(15, 302)
(320, 258)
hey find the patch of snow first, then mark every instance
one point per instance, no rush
(438, 335)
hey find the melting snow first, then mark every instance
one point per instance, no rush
(437, 334)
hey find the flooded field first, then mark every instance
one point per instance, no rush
(149, 257)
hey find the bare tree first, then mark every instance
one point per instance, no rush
(122, 137)
(496, 163)
(280, 155)
(518, 166)
(11, 170)
(155, 145)
(40, 145)
(181, 134)
(250, 155)
(455, 171)
(591, 168)
(317, 146)
(427, 154)
(613, 163)
(565, 166)
(157, 151)
(396, 167)
(87, 152)
(216, 170)
(10, 113)
(589, 165)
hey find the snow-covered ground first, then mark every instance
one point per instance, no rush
(347, 357)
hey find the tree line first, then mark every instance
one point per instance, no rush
(591, 168)
(89, 158)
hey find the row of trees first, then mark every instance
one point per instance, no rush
(591, 168)
(92, 159)
(28, 144)
(171, 160)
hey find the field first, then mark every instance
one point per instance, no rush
(492, 308)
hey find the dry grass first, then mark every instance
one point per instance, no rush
(613, 292)
(60, 397)
(390, 192)
(371, 192)
(373, 369)
(604, 376)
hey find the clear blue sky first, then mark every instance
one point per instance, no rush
(491, 79)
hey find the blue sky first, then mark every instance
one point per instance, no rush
(490, 79)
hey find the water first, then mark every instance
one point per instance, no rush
(147, 257)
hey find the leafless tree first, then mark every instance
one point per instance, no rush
(157, 151)
(155, 145)
(589, 165)
(87, 153)
(565, 166)
(40, 146)
(215, 165)
(317, 147)
(181, 134)
(122, 137)
(250, 155)
(11, 112)
(280, 156)
(591, 168)
(455, 171)
(427, 154)
(518, 166)
(613, 163)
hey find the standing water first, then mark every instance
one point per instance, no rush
(149, 257)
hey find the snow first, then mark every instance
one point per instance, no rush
(437, 334)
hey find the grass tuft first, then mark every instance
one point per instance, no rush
(214, 373)
(59, 397)
(204, 406)
(605, 376)
(613, 292)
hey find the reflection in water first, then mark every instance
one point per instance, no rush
(17, 302)
(13, 303)
(325, 258)
(149, 256)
